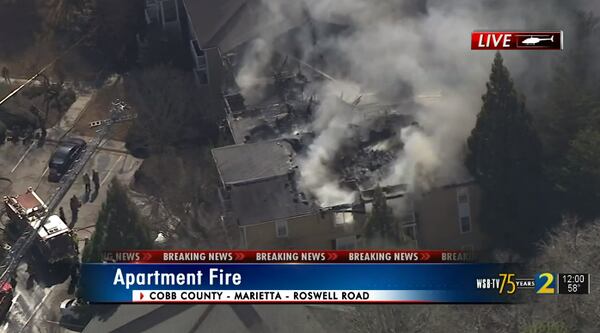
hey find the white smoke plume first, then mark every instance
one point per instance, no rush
(331, 123)
(250, 78)
(402, 48)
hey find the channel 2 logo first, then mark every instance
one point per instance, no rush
(522, 40)
(545, 283)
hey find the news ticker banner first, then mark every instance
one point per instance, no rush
(517, 40)
(289, 256)
(312, 283)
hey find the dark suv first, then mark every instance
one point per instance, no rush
(66, 153)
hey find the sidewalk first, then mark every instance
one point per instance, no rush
(70, 117)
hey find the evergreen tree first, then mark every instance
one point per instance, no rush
(580, 176)
(381, 219)
(573, 97)
(504, 156)
(118, 226)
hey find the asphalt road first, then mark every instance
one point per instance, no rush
(35, 307)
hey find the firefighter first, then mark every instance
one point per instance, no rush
(61, 214)
(86, 180)
(96, 180)
(75, 204)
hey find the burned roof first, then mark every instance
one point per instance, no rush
(268, 122)
(269, 200)
(254, 161)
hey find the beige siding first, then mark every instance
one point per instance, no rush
(304, 232)
(438, 225)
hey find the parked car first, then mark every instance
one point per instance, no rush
(67, 304)
(75, 314)
(62, 159)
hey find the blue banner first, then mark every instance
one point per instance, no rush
(440, 283)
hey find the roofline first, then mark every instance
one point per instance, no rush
(467, 181)
(257, 180)
(249, 144)
(318, 211)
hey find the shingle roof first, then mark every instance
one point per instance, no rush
(254, 161)
(269, 200)
(230, 23)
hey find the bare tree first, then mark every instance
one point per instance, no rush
(569, 249)
(63, 13)
(168, 109)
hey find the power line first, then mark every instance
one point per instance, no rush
(14, 92)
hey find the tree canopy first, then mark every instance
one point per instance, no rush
(573, 96)
(570, 123)
(504, 156)
(380, 222)
(170, 110)
(118, 226)
(567, 248)
(579, 178)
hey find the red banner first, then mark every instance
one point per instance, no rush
(522, 40)
(288, 256)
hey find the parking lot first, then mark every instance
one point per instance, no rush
(36, 308)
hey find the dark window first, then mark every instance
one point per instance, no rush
(465, 224)
(197, 48)
(169, 10)
(463, 198)
(281, 229)
(410, 232)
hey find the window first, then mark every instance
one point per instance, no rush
(463, 196)
(345, 243)
(410, 231)
(169, 10)
(465, 224)
(344, 218)
(197, 48)
(281, 229)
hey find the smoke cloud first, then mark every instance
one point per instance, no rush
(399, 49)
(250, 79)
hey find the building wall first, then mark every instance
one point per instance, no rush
(439, 215)
(167, 14)
(318, 231)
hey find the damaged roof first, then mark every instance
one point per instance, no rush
(269, 200)
(254, 161)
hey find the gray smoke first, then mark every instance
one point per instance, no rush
(400, 49)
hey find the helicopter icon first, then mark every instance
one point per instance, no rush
(535, 40)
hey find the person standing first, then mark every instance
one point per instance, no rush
(5, 74)
(75, 205)
(96, 180)
(86, 180)
(61, 214)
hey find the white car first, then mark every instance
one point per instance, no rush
(74, 314)
(67, 304)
